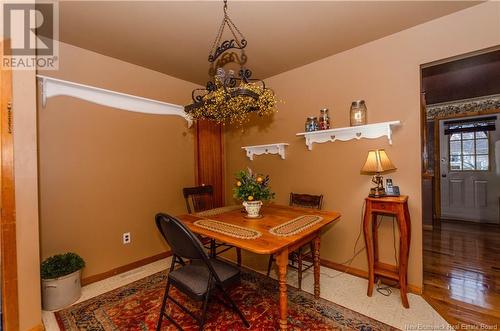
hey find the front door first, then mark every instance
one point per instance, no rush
(470, 177)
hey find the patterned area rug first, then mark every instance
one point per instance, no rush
(136, 307)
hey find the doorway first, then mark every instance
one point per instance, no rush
(470, 181)
(461, 188)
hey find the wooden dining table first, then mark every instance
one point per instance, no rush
(268, 243)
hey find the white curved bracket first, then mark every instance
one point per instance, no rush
(371, 131)
(265, 149)
(51, 87)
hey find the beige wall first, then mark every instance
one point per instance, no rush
(386, 74)
(105, 171)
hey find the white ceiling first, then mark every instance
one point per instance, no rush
(174, 37)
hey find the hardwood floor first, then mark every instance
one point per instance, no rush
(462, 273)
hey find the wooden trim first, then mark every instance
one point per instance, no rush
(437, 176)
(423, 133)
(427, 227)
(38, 327)
(8, 253)
(125, 268)
(468, 114)
(361, 273)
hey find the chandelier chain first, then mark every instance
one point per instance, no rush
(229, 98)
(232, 27)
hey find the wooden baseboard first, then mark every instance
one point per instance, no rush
(38, 327)
(326, 263)
(361, 273)
(125, 268)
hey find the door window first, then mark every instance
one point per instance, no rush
(469, 151)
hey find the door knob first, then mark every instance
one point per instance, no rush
(443, 175)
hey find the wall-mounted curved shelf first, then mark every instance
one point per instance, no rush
(370, 131)
(265, 149)
(51, 87)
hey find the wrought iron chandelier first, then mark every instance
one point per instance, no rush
(227, 97)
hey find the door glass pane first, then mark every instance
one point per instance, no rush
(469, 162)
(481, 134)
(455, 162)
(468, 147)
(482, 146)
(468, 135)
(482, 162)
(455, 147)
(455, 136)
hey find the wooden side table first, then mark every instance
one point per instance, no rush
(398, 207)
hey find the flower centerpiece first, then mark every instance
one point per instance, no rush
(252, 189)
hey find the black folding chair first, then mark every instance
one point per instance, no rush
(200, 277)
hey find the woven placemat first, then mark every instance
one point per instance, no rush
(217, 211)
(295, 226)
(228, 229)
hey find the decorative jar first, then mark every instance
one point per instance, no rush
(358, 113)
(312, 124)
(324, 119)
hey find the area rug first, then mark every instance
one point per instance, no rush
(136, 307)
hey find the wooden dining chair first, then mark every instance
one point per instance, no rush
(301, 259)
(198, 279)
(198, 199)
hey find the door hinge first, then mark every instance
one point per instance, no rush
(9, 116)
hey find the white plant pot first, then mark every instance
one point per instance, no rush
(252, 208)
(61, 292)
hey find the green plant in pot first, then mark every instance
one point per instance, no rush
(253, 189)
(61, 284)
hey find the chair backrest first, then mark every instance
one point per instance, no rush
(201, 198)
(182, 241)
(306, 200)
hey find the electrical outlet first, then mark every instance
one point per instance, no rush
(126, 238)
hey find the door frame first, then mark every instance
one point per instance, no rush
(9, 281)
(437, 157)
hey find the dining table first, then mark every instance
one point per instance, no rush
(279, 231)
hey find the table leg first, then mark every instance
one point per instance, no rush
(316, 266)
(369, 248)
(403, 258)
(375, 236)
(282, 263)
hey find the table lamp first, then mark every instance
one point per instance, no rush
(377, 163)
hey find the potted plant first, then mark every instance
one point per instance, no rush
(61, 284)
(252, 189)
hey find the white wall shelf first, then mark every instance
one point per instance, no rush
(51, 87)
(371, 131)
(265, 149)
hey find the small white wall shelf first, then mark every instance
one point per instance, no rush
(51, 87)
(265, 149)
(371, 131)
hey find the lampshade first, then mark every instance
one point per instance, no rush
(377, 162)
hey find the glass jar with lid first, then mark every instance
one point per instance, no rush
(358, 113)
(312, 124)
(324, 119)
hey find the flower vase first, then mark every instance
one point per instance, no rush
(252, 208)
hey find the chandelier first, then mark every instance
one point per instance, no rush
(229, 97)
